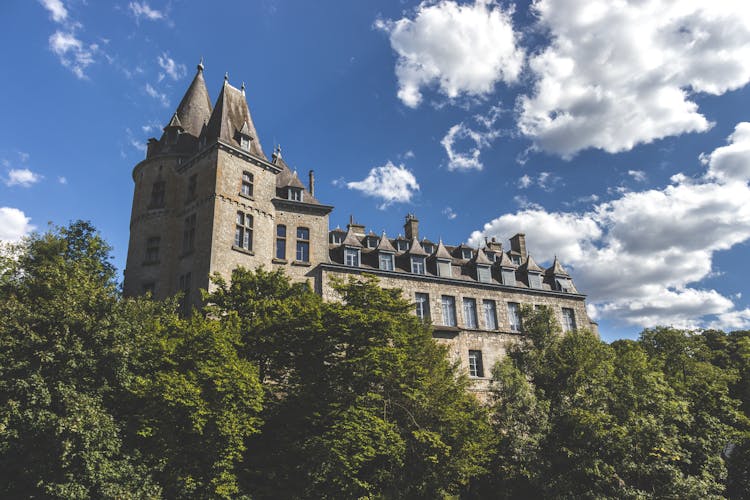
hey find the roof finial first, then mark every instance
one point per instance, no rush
(278, 151)
(200, 64)
(226, 76)
(243, 88)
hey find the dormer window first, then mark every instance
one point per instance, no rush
(444, 268)
(516, 259)
(371, 241)
(483, 274)
(417, 264)
(336, 238)
(509, 277)
(351, 257)
(245, 142)
(401, 245)
(428, 247)
(535, 280)
(385, 261)
(466, 253)
(563, 285)
(295, 194)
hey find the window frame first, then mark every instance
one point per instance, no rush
(419, 268)
(448, 307)
(484, 271)
(294, 194)
(243, 231)
(351, 256)
(158, 194)
(247, 184)
(440, 268)
(569, 322)
(476, 364)
(422, 304)
(514, 312)
(152, 250)
(390, 259)
(489, 312)
(302, 244)
(188, 233)
(510, 274)
(280, 250)
(470, 313)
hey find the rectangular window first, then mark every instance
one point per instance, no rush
(152, 249)
(569, 319)
(470, 312)
(466, 253)
(243, 231)
(281, 242)
(295, 194)
(192, 186)
(483, 274)
(351, 257)
(423, 305)
(490, 314)
(417, 264)
(188, 234)
(247, 184)
(385, 261)
(509, 277)
(449, 310)
(475, 364)
(444, 268)
(514, 316)
(303, 244)
(535, 281)
(157, 194)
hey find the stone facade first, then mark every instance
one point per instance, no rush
(207, 200)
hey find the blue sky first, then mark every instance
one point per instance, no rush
(613, 135)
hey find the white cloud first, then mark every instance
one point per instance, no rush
(464, 144)
(525, 181)
(464, 49)
(56, 9)
(62, 180)
(391, 183)
(448, 212)
(731, 162)
(733, 320)
(72, 52)
(22, 177)
(641, 257)
(174, 70)
(545, 181)
(637, 175)
(618, 74)
(160, 96)
(14, 224)
(144, 10)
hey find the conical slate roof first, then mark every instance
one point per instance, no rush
(481, 258)
(557, 269)
(442, 252)
(384, 245)
(230, 117)
(506, 262)
(415, 248)
(530, 266)
(195, 108)
(351, 240)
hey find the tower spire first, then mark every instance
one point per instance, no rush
(195, 107)
(200, 64)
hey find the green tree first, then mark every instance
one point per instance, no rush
(60, 369)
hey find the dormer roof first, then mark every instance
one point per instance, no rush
(480, 258)
(384, 245)
(416, 248)
(442, 252)
(557, 269)
(350, 240)
(505, 261)
(174, 122)
(530, 266)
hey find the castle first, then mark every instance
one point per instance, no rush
(207, 199)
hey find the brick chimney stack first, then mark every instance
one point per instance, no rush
(411, 227)
(518, 244)
(312, 183)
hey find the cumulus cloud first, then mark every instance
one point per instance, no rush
(544, 180)
(641, 257)
(731, 162)
(618, 74)
(637, 175)
(449, 213)
(56, 9)
(463, 49)
(172, 69)
(72, 52)
(14, 224)
(391, 183)
(144, 10)
(22, 177)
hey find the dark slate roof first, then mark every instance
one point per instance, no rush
(384, 245)
(506, 262)
(530, 266)
(442, 252)
(286, 178)
(481, 258)
(175, 122)
(415, 248)
(229, 117)
(351, 240)
(556, 269)
(195, 108)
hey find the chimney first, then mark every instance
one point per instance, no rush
(518, 244)
(312, 183)
(493, 245)
(358, 229)
(411, 227)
